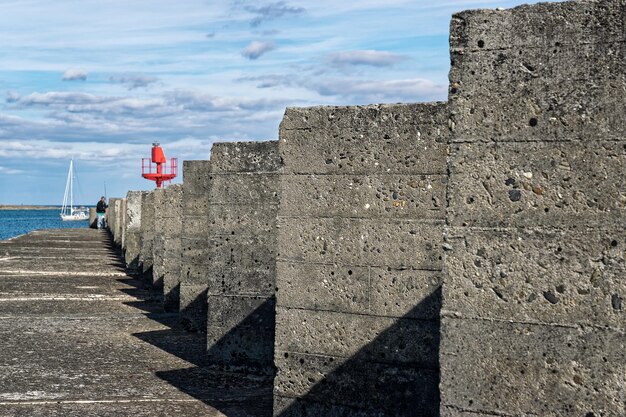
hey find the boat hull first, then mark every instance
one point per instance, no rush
(74, 217)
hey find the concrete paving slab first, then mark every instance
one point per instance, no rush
(78, 337)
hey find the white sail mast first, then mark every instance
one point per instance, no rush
(71, 186)
(71, 214)
(68, 185)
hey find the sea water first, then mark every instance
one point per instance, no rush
(18, 222)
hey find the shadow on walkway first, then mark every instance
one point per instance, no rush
(234, 394)
(396, 374)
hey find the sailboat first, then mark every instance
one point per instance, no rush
(68, 212)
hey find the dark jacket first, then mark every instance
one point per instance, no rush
(101, 207)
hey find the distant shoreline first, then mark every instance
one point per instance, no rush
(25, 207)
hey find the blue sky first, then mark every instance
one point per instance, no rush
(99, 81)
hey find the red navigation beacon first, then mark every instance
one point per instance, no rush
(162, 173)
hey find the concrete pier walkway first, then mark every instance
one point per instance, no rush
(79, 337)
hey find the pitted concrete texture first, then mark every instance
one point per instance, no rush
(111, 214)
(84, 339)
(132, 245)
(533, 320)
(360, 238)
(566, 277)
(551, 184)
(532, 369)
(194, 244)
(167, 244)
(241, 279)
(365, 140)
(547, 72)
(147, 233)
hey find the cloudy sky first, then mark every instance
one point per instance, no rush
(99, 81)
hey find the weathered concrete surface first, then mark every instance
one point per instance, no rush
(132, 242)
(194, 247)
(360, 234)
(116, 219)
(148, 233)
(84, 339)
(167, 244)
(533, 320)
(241, 274)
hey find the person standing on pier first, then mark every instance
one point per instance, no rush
(101, 209)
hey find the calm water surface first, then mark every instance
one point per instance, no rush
(18, 222)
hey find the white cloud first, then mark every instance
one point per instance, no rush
(366, 57)
(257, 48)
(74, 75)
(9, 171)
(98, 152)
(270, 80)
(395, 90)
(273, 11)
(59, 99)
(133, 81)
(12, 97)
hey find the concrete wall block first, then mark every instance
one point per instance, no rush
(234, 279)
(342, 288)
(194, 273)
(195, 226)
(159, 199)
(246, 189)
(533, 69)
(245, 157)
(112, 216)
(158, 259)
(172, 244)
(541, 26)
(532, 369)
(171, 291)
(195, 255)
(390, 196)
(240, 331)
(169, 227)
(123, 224)
(132, 249)
(195, 172)
(172, 265)
(533, 184)
(393, 243)
(195, 205)
(169, 211)
(133, 210)
(363, 118)
(565, 277)
(333, 383)
(408, 293)
(227, 219)
(193, 306)
(390, 340)
(196, 177)
(243, 251)
(147, 228)
(547, 117)
(193, 250)
(227, 312)
(118, 207)
(386, 143)
(534, 94)
(147, 207)
(377, 291)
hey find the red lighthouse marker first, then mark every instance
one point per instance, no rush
(161, 175)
